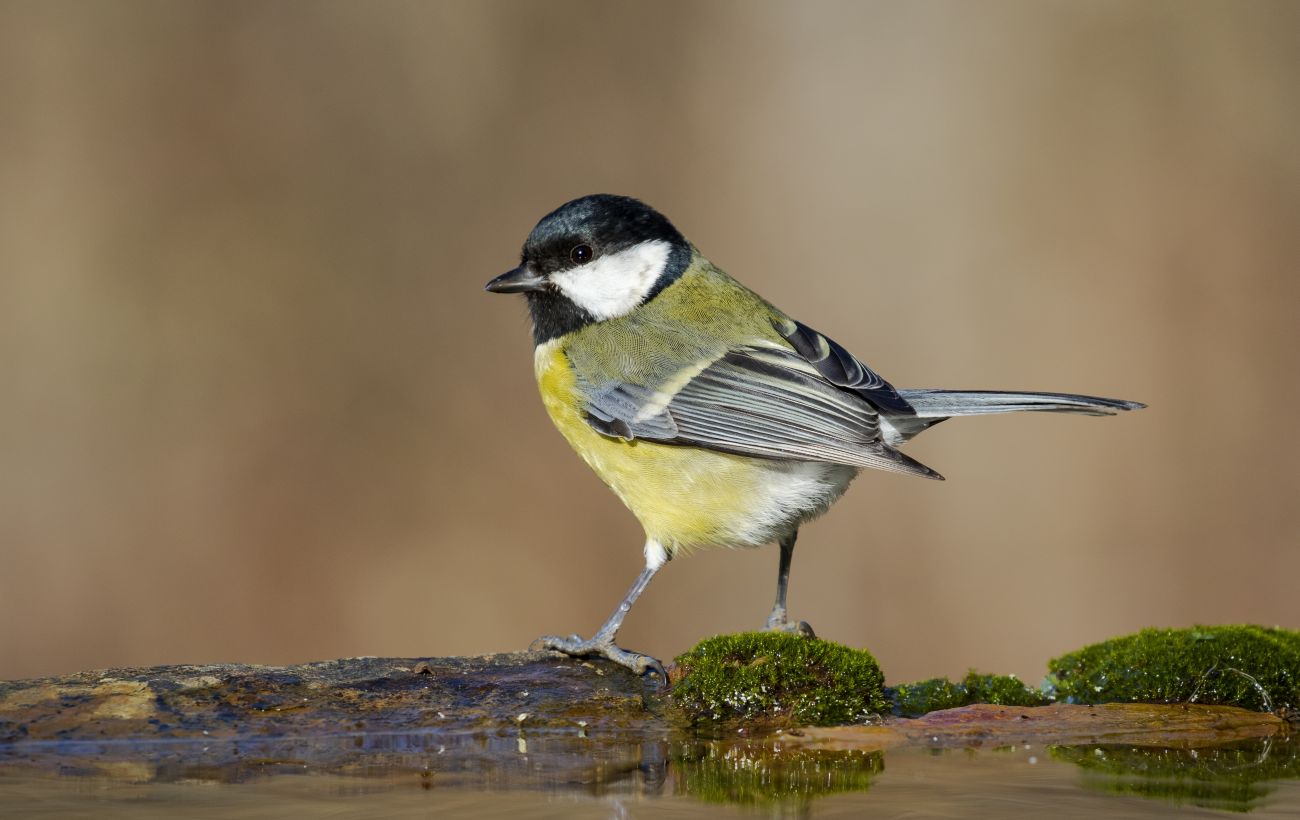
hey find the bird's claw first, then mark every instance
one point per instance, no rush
(790, 627)
(602, 647)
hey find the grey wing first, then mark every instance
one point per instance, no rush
(766, 402)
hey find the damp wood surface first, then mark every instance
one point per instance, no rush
(539, 689)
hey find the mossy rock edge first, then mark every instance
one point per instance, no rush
(1251, 667)
(771, 679)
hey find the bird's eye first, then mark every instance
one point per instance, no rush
(580, 254)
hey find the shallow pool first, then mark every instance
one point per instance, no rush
(563, 774)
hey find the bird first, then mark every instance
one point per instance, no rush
(716, 418)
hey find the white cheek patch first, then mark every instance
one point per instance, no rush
(616, 284)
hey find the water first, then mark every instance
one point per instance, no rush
(562, 775)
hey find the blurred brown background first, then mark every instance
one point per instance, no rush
(256, 406)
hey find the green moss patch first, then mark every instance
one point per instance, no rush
(923, 697)
(1247, 666)
(776, 679)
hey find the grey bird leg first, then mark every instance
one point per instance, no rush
(779, 621)
(602, 644)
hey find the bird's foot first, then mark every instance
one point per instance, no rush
(602, 647)
(778, 621)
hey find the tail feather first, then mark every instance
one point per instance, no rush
(935, 404)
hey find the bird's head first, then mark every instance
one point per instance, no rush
(592, 259)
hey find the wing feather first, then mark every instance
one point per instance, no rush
(762, 401)
(840, 367)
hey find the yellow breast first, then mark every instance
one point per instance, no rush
(687, 497)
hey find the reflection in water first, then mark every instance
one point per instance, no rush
(745, 772)
(1231, 778)
(764, 774)
(780, 778)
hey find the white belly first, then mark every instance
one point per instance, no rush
(788, 494)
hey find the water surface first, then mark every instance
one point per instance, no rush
(563, 774)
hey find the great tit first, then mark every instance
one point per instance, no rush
(714, 416)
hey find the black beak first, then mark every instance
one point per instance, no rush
(519, 280)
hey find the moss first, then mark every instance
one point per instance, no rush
(778, 680)
(922, 697)
(1247, 666)
(1002, 690)
(1228, 778)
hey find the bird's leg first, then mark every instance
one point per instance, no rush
(602, 644)
(779, 621)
